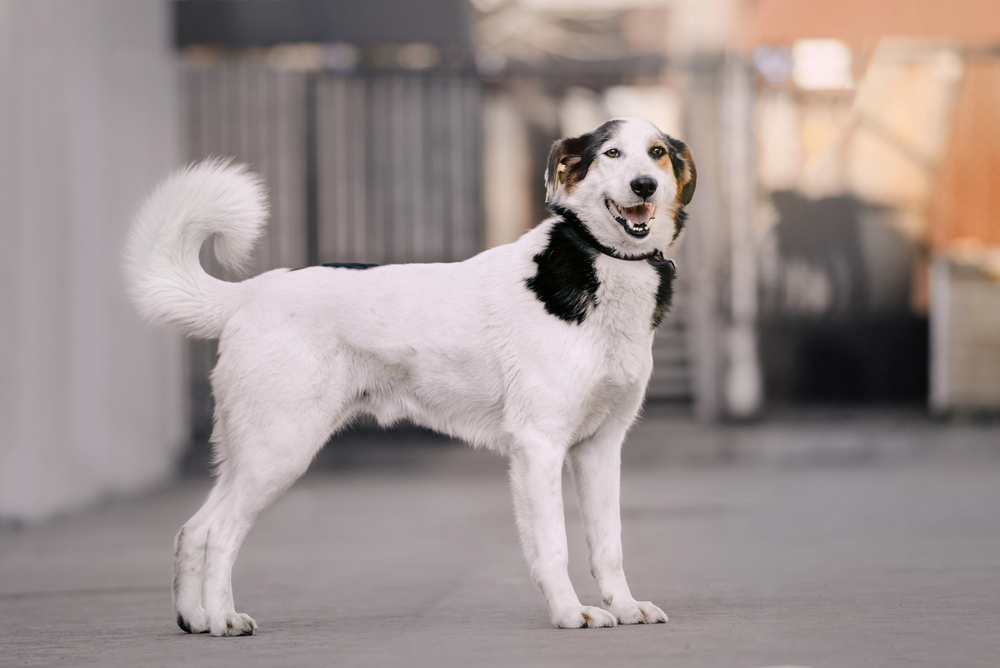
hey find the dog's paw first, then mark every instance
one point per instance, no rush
(638, 612)
(233, 624)
(194, 621)
(584, 616)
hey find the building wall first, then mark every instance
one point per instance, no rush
(965, 352)
(90, 398)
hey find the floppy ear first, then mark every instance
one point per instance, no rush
(565, 159)
(684, 171)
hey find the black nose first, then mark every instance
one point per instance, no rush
(644, 186)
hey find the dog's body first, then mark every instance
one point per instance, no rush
(539, 350)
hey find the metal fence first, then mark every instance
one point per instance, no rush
(398, 168)
(368, 168)
(258, 116)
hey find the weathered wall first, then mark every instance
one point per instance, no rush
(90, 399)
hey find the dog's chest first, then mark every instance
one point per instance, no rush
(576, 283)
(622, 362)
(621, 321)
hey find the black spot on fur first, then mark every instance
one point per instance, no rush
(665, 292)
(181, 622)
(342, 265)
(566, 281)
(348, 265)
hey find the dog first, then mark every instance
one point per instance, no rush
(539, 350)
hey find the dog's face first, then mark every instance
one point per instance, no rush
(627, 181)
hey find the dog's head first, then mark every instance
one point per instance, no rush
(627, 181)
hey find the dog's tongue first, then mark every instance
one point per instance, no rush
(639, 214)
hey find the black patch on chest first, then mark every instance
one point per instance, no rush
(566, 281)
(665, 292)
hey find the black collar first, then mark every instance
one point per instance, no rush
(574, 221)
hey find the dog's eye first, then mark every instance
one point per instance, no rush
(657, 151)
(612, 153)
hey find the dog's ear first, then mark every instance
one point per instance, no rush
(565, 158)
(684, 171)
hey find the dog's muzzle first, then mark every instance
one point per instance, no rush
(635, 219)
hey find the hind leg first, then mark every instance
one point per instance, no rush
(189, 549)
(263, 462)
(189, 565)
(278, 399)
(264, 441)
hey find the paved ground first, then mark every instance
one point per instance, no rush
(845, 541)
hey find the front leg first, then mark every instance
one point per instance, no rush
(596, 465)
(536, 480)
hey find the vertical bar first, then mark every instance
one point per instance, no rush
(312, 169)
(264, 140)
(436, 169)
(454, 148)
(395, 239)
(375, 185)
(705, 235)
(940, 317)
(416, 221)
(338, 149)
(743, 384)
(474, 115)
(359, 118)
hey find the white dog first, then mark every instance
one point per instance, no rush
(540, 350)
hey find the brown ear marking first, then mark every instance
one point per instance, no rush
(570, 158)
(564, 164)
(684, 169)
(690, 180)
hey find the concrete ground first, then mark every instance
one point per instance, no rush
(829, 541)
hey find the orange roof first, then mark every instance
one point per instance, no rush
(861, 22)
(966, 197)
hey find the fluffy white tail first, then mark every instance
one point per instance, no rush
(165, 278)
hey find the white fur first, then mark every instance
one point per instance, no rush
(165, 278)
(462, 348)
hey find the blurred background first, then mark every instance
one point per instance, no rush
(843, 247)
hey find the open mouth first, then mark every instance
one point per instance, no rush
(635, 219)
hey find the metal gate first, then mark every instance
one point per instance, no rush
(397, 168)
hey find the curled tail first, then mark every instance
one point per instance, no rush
(165, 278)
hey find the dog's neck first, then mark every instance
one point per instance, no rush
(567, 279)
(571, 219)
